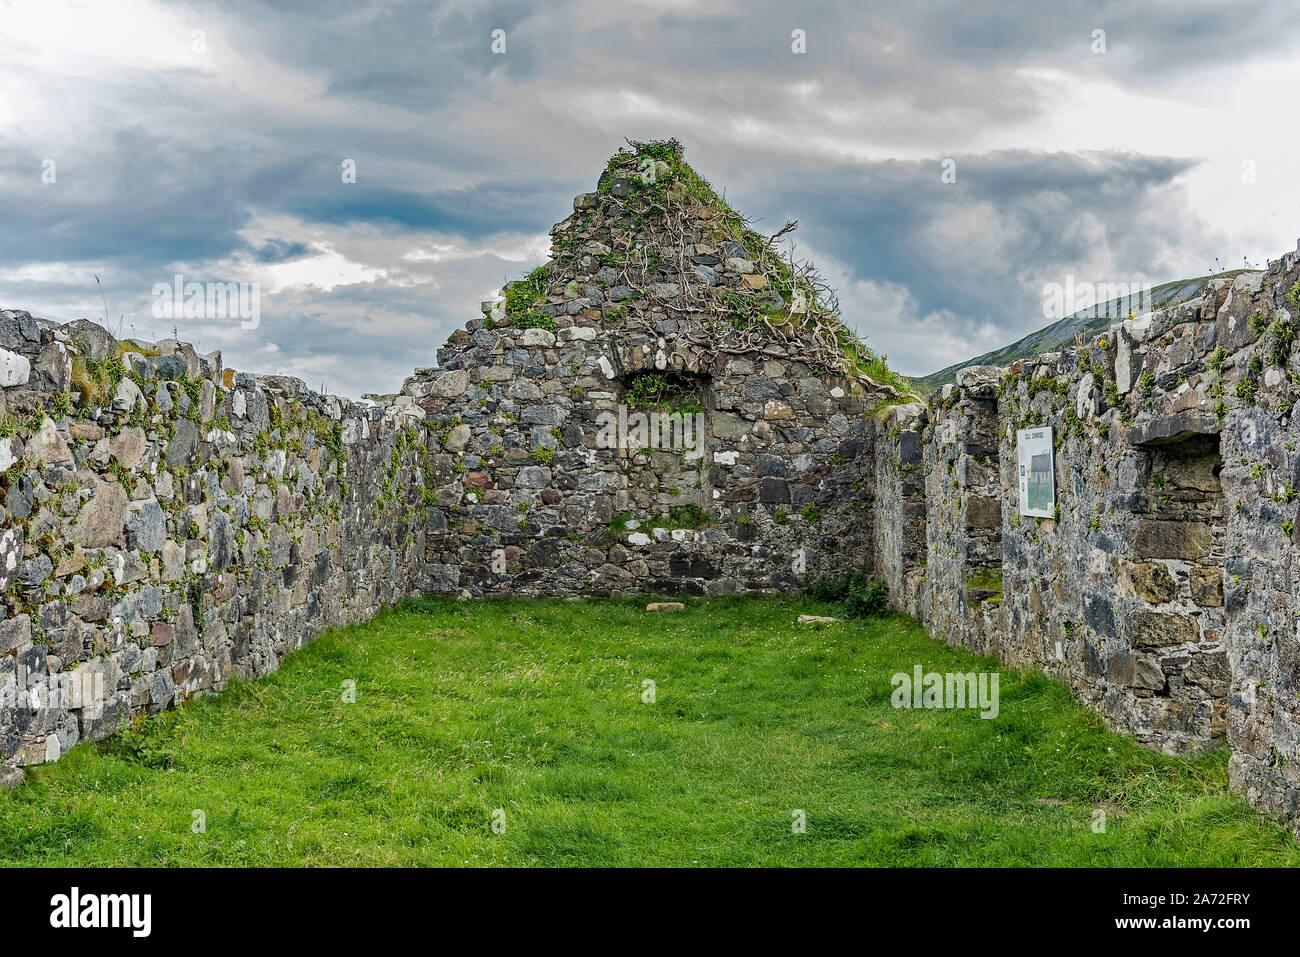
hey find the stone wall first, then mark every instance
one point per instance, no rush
(1162, 591)
(778, 482)
(777, 474)
(168, 524)
(901, 506)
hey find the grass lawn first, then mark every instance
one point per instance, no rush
(535, 708)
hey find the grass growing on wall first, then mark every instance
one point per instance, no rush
(536, 709)
(659, 194)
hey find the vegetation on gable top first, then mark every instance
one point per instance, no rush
(650, 209)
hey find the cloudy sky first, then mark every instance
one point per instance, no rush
(142, 139)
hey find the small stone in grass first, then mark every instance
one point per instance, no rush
(665, 606)
(11, 778)
(816, 620)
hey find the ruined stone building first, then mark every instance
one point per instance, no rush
(668, 406)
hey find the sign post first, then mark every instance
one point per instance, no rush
(1034, 448)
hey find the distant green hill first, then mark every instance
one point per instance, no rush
(1084, 323)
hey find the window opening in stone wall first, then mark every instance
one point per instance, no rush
(663, 429)
(1176, 574)
(980, 477)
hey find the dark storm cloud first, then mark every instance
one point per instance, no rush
(133, 198)
(476, 212)
(416, 55)
(882, 218)
(280, 250)
(1147, 39)
(979, 251)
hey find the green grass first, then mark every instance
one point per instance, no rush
(536, 708)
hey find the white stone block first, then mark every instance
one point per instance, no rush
(538, 337)
(14, 369)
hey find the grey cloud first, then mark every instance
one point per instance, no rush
(455, 144)
(979, 251)
(281, 250)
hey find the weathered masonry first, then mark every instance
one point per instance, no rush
(668, 406)
(169, 523)
(657, 301)
(1164, 589)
